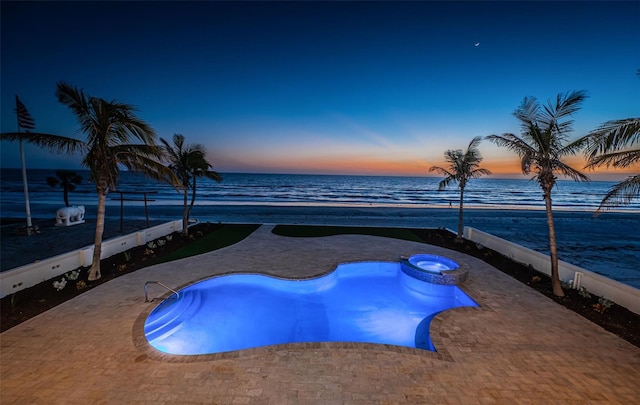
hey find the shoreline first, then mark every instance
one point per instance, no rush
(114, 208)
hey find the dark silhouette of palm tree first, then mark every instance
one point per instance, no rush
(188, 162)
(462, 167)
(67, 180)
(542, 146)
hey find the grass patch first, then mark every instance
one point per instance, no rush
(225, 235)
(307, 231)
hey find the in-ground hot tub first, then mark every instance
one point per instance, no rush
(433, 269)
(433, 263)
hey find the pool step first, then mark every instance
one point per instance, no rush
(170, 315)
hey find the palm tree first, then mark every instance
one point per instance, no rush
(463, 166)
(541, 147)
(110, 127)
(67, 180)
(616, 143)
(188, 162)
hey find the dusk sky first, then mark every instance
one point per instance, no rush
(379, 88)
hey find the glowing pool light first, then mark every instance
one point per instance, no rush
(372, 302)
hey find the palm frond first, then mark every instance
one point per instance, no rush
(569, 171)
(440, 170)
(139, 129)
(513, 143)
(76, 100)
(148, 166)
(574, 147)
(473, 145)
(565, 106)
(209, 174)
(172, 154)
(446, 182)
(621, 193)
(527, 113)
(612, 136)
(620, 159)
(55, 143)
(151, 151)
(527, 162)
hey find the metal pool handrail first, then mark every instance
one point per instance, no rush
(146, 286)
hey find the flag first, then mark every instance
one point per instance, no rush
(25, 121)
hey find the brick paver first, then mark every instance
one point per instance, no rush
(519, 347)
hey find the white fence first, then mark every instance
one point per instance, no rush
(622, 294)
(22, 277)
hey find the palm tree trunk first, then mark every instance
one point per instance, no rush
(94, 272)
(185, 214)
(193, 196)
(459, 236)
(553, 248)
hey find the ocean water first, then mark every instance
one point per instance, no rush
(512, 209)
(325, 190)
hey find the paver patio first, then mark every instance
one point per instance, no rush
(518, 347)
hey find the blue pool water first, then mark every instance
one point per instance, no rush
(372, 302)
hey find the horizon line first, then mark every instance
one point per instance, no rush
(606, 177)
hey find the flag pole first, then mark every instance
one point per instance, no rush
(26, 190)
(24, 178)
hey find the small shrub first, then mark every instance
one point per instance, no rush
(72, 275)
(161, 242)
(169, 237)
(152, 245)
(148, 251)
(59, 285)
(122, 267)
(602, 305)
(81, 285)
(583, 292)
(127, 256)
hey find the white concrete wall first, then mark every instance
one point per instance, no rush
(622, 294)
(26, 276)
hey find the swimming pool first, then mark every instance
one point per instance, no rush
(372, 302)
